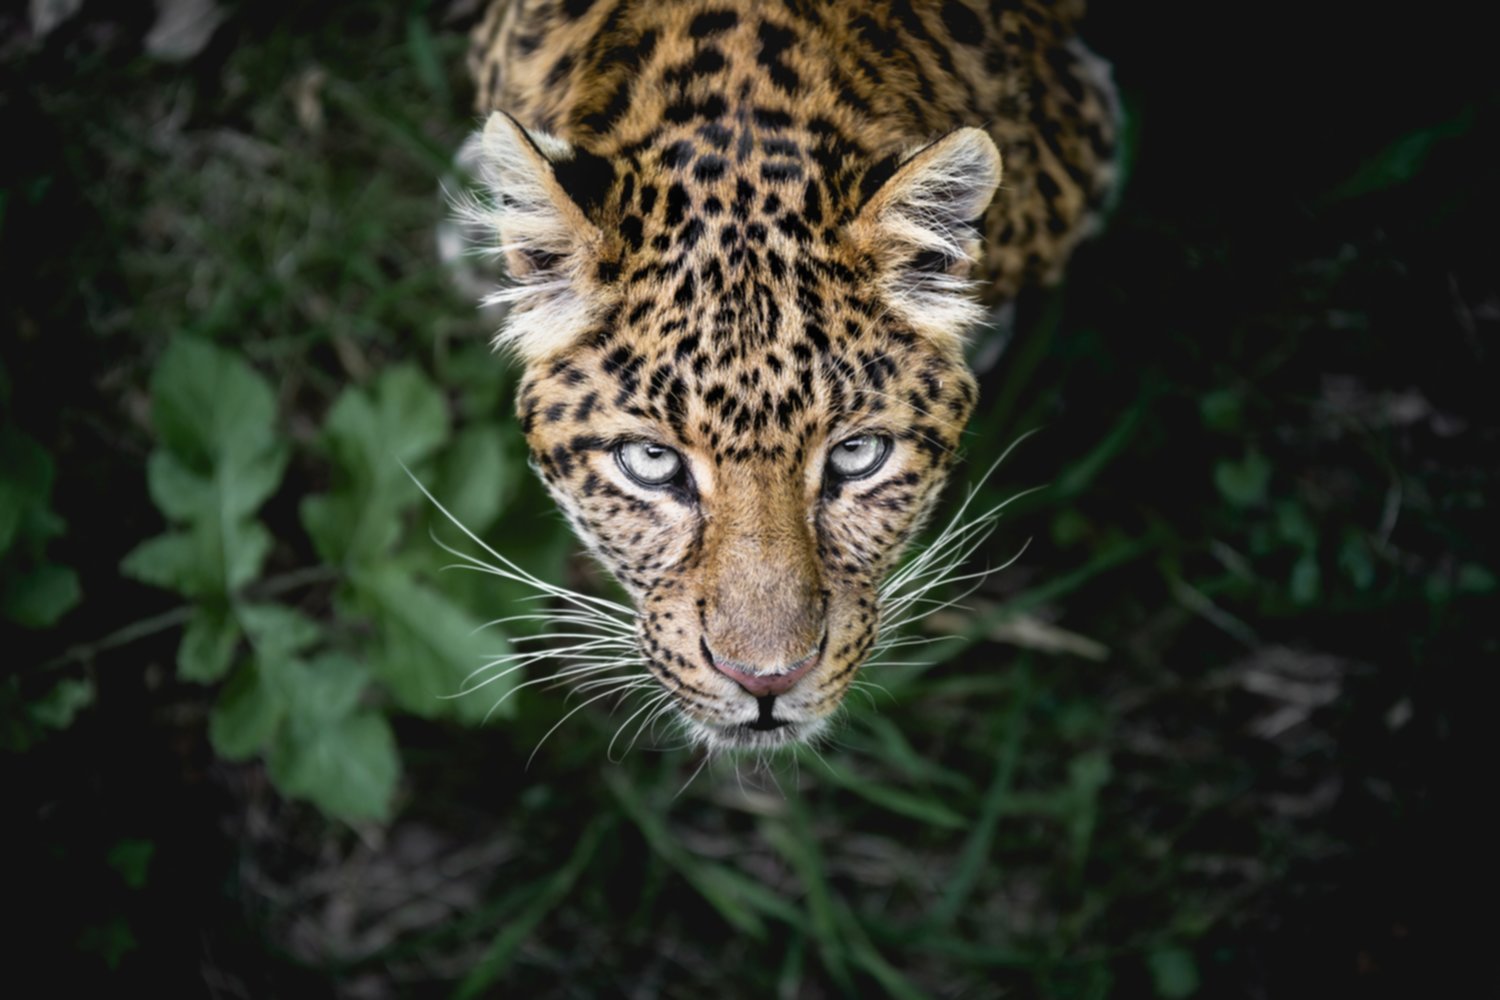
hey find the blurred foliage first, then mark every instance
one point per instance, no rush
(1189, 744)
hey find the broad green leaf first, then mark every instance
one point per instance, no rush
(325, 689)
(353, 528)
(25, 481)
(348, 769)
(1356, 559)
(403, 418)
(207, 648)
(247, 714)
(1174, 972)
(1474, 579)
(59, 707)
(1306, 581)
(178, 492)
(475, 480)
(169, 561)
(132, 859)
(369, 434)
(214, 557)
(39, 598)
(430, 648)
(1221, 410)
(1243, 483)
(208, 403)
(241, 482)
(245, 548)
(1403, 159)
(276, 630)
(1295, 527)
(111, 941)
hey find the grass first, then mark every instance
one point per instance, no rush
(1215, 750)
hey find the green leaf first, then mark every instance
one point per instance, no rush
(59, 707)
(177, 491)
(430, 648)
(39, 598)
(1475, 579)
(212, 558)
(110, 941)
(240, 484)
(1220, 410)
(475, 480)
(369, 434)
(358, 528)
(1356, 559)
(247, 714)
(1306, 579)
(1403, 159)
(25, 481)
(278, 631)
(1174, 972)
(220, 460)
(348, 769)
(132, 859)
(207, 403)
(169, 561)
(207, 648)
(403, 419)
(245, 546)
(1244, 483)
(325, 689)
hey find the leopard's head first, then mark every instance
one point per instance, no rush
(743, 384)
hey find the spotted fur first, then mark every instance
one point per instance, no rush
(751, 232)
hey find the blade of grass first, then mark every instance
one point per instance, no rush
(976, 851)
(792, 839)
(895, 800)
(942, 650)
(897, 751)
(484, 975)
(712, 882)
(865, 955)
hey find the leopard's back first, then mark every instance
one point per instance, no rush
(741, 242)
(854, 84)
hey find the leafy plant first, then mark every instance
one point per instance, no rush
(310, 695)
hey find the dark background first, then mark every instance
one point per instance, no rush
(1214, 734)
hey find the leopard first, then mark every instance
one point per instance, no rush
(744, 247)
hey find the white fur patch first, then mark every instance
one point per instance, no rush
(523, 216)
(930, 207)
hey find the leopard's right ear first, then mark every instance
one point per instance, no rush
(534, 212)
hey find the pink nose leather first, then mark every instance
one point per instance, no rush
(761, 685)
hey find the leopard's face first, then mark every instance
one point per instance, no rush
(744, 397)
(751, 500)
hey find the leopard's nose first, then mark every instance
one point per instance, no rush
(762, 681)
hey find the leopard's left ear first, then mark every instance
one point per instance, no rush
(534, 213)
(922, 228)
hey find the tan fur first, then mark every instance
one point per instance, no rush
(750, 232)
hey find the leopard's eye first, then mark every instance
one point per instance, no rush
(649, 464)
(859, 456)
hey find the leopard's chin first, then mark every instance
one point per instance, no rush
(758, 736)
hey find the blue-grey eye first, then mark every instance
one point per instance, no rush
(649, 464)
(859, 456)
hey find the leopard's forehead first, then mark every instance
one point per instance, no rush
(765, 373)
(744, 324)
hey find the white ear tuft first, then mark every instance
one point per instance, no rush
(550, 247)
(922, 229)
